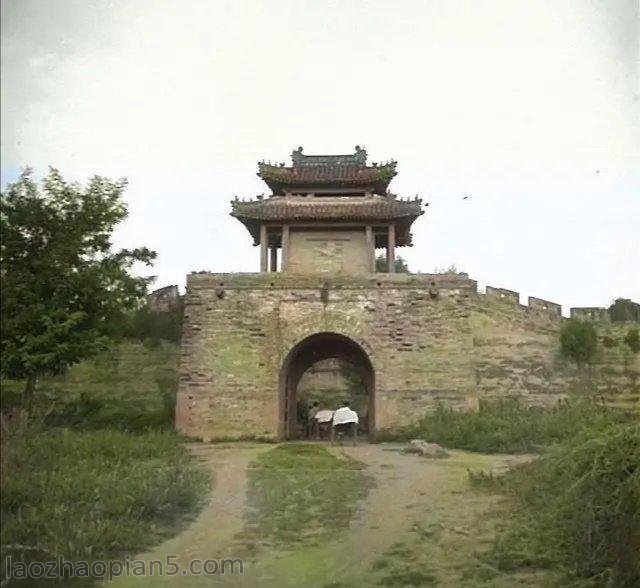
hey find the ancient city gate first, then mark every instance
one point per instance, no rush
(413, 339)
(324, 219)
(310, 351)
(248, 338)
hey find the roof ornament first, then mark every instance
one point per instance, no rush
(297, 157)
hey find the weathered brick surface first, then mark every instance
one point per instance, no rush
(430, 338)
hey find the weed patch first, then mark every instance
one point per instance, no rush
(508, 426)
(577, 509)
(93, 495)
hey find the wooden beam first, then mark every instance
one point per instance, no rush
(264, 245)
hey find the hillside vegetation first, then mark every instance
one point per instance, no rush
(96, 471)
(577, 509)
(509, 425)
(129, 387)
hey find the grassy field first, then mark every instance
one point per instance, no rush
(93, 495)
(98, 471)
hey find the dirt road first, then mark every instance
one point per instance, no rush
(421, 525)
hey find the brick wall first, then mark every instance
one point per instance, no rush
(430, 338)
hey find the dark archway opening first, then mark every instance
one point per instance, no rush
(350, 361)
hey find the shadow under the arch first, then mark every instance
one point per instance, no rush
(309, 351)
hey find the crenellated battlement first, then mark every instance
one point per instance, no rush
(541, 305)
(538, 306)
(455, 282)
(503, 294)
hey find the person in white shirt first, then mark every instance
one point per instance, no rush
(323, 420)
(345, 420)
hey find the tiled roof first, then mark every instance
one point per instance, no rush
(318, 173)
(328, 170)
(290, 209)
(359, 158)
(309, 210)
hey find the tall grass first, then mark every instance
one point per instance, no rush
(578, 509)
(508, 426)
(92, 495)
(96, 471)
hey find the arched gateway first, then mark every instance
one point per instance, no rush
(432, 338)
(310, 351)
(249, 337)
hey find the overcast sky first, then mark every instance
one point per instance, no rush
(531, 108)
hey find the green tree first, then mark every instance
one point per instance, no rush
(401, 265)
(148, 324)
(623, 310)
(63, 287)
(578, 341)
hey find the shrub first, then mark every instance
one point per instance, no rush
(93, 495)
(508, 426)
(401, 266)
(578, 509)
(578, 341)
(153, 325)
(623, 310)
(632, 339)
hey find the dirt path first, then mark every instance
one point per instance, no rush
(417, 506)
(212, 532)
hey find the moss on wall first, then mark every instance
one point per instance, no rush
(430, 339)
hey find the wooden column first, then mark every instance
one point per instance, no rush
(391, 250)
(284, 262)
(264, 246)
(371, 248)
(274, 259)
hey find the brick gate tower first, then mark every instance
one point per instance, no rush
(414, 340)
(327, 214)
